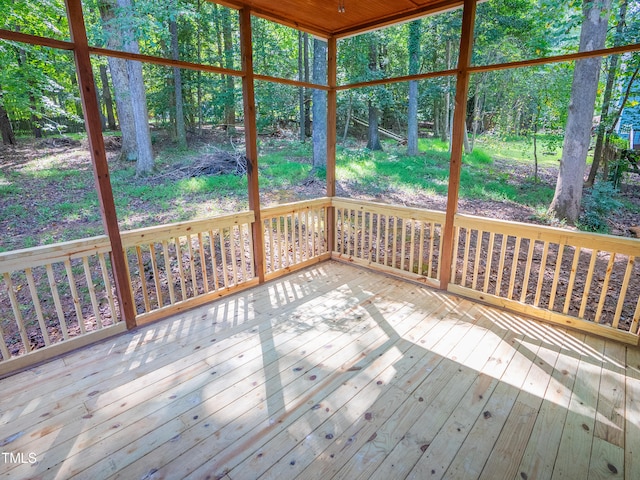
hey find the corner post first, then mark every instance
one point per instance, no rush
(457, 139)
(251, 141)
(332, 108)
(91, 113)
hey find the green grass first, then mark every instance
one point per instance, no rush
(283, 165)
(549, 148)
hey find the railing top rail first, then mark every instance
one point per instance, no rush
(142, 236)
(411, 212)
(595, 241)
(286, 208)
(59, 252)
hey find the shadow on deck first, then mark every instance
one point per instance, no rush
(331, 372)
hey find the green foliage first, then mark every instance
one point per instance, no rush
(597, 205)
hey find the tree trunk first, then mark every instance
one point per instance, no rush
(606, 100)
(348, 120)
(373, 142)
(181, 133)
(106, 98)
(414, 67)
(120, 79)
(8, 137)
(566, 201)
(230, 95)
(301, 117)
(374, 138)
(307, 98)
(319, 104)
(447, 96)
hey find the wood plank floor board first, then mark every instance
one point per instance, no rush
(472, 455)
(574, 453)
(378, 434)
(607, 455)
(539, 456)
(632, 415)
(380, 346)
(153, 390)
(413, 359)
(333, 372)
(420, 434)
(317, 371)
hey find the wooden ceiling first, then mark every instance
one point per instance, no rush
(322, 17)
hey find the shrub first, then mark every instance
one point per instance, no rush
(597, 205)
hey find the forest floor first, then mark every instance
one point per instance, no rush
(47, 192)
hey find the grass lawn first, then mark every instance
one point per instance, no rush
(47, 195)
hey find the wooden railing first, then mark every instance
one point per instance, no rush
(398, 240)
(582, 280)
(182, 265)
(55, 298)
(295, 235)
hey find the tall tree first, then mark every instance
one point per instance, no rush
(414, 68)
(373, 142)
(106, 98)
(606, 98)
(128, 84)
(8, 137)
(319, 104)
(230, 96)
(568, 194)
(181, 132)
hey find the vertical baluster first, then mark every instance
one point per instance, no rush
(74, 296)
(36, 305)
(143, 279)
(605, 287)
(453, 264)
(234, 256)
(412, 244)
(432, 240)
(203, 263)
(487, 271)
(192, 267)
(16, 312)
(556, 276)
(394, 253)
(527, 270)
(572, 278)
(183, 284)
(514, 267)
(623, 291)
(156, 274)
(168, 272)
(543, 269)
(421, 248)
(465, 256)
(403, 245)
(476, 263)
(56, 300)
(92, 292)
(587, 283)
(214, 262)
(243, 251)
(223, 255)
(503, 252)
(108, 289)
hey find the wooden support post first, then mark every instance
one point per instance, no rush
(251, 140)
(457, 139)
(332, 103)
(91, 112)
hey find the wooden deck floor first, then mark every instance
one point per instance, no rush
(332, 372)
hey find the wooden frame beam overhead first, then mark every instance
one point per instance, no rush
(340, 18)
